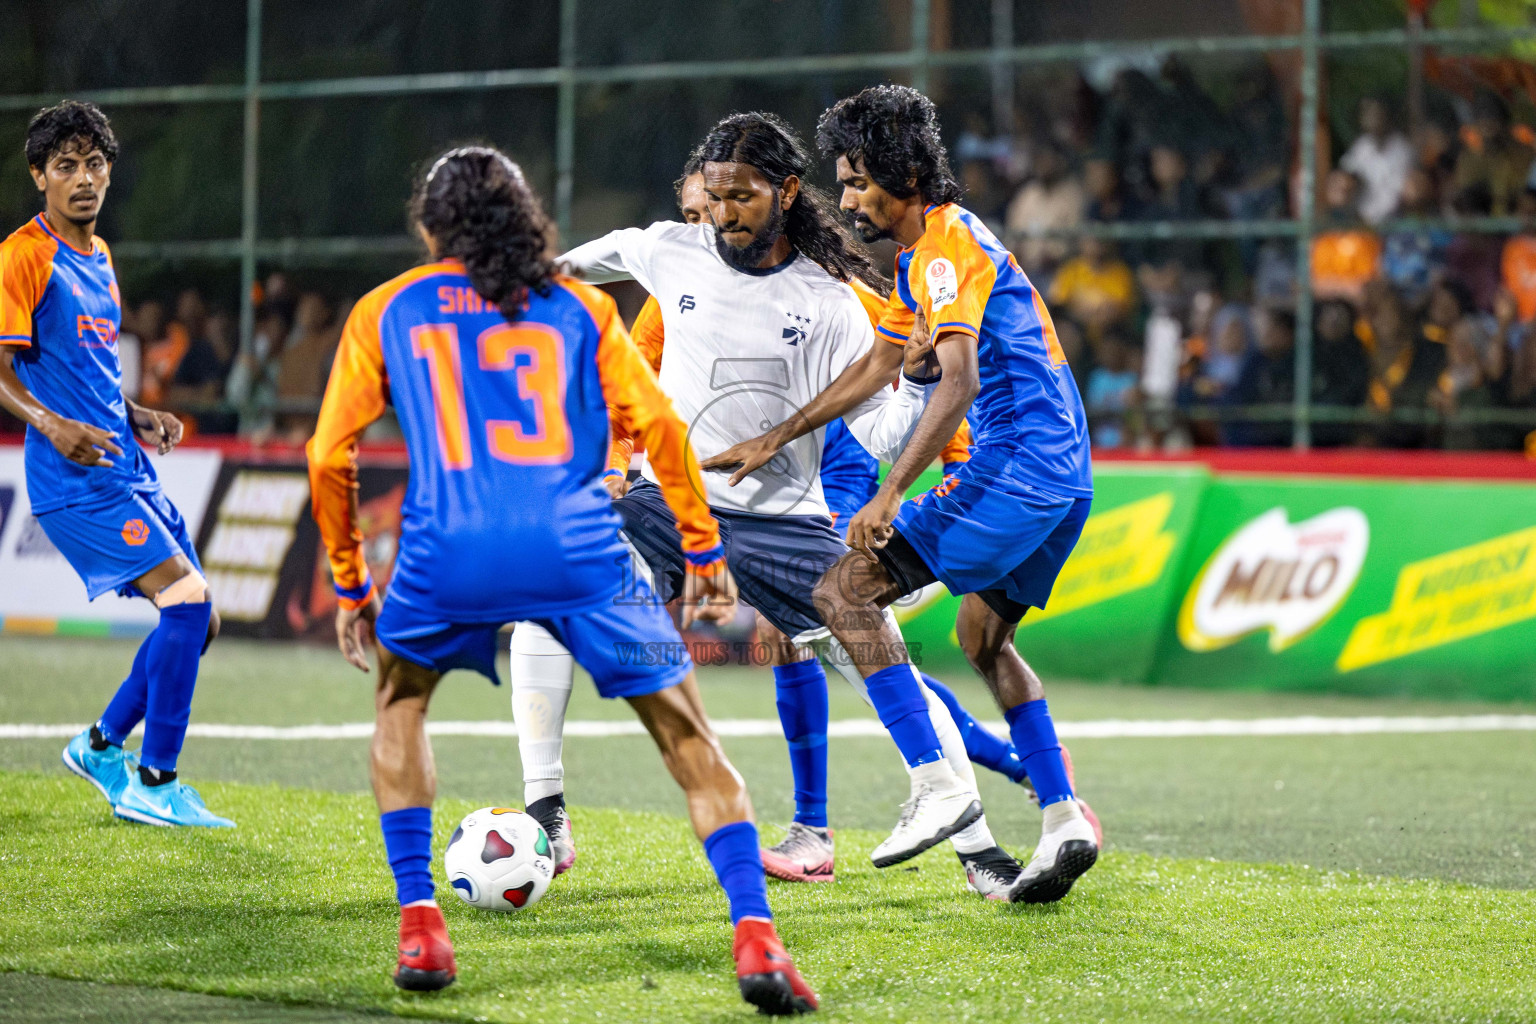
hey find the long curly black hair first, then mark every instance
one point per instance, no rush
(477, 206)
(71, 123)
(812, 222)
(895, 129)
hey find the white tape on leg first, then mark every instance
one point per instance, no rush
(190, 589)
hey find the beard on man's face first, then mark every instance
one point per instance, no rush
(867, 229)
(747, 257)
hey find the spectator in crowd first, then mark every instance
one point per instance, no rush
(1380, 157)
(252, 384)
(1051, 199)
(199, 380)
(1348, 255)
(1492, 158)
(1404, 368)
(1474, 257)
(1108, 199)
(1463, 386)
(305, 365)
(1172, 196)
(1113, 393)
(1518, 262)
(1413, 260)
(1340, 370)
(1268, 377)
(1096, 289)
(162, 351)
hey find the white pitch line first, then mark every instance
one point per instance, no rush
(1306, 725)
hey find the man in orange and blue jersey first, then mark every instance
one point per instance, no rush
(92, 488)
(998, 530)
(502, 374)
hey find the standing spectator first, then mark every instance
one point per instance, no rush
(1463, 386)
(1348, 254)
(1268, 377)
(1493, 158)
(1380, 158)
(1411, 261)
(1340, 369)
(1051, 200)
(1096, 289)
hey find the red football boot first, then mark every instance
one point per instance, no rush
(426, 956)
(1093, 819)
(765, 972)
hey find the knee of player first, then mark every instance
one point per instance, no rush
(829, 595)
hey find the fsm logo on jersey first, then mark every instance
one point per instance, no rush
(1276, 575)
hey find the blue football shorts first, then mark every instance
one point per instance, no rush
(114, 542)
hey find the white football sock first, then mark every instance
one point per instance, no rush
(542, 673)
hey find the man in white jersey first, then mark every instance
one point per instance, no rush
(763, 285)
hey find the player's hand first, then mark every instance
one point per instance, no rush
(745, 458)
(81, 442)
(870, 528)
(354, 631)
(917, 358)
(708, 598)
(617, 485)
(153, 427)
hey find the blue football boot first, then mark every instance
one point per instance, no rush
(169, 804)
(107, 770)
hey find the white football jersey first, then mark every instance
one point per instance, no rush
(745, 350)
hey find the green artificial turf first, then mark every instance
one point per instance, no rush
(295, 906)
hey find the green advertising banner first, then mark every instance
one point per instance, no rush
(1359, 586)
(1356, 585)
(1111, 603)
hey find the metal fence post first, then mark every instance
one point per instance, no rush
(250, 168)
(1301, 430)
(921, 12)
(565, 123)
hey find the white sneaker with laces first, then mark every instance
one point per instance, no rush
(940, 805)
(991, 872)
(1067, 849)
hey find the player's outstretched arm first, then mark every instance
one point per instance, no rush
(884, 423)
(76, 441)
(354, 398)
(870, 528)
(872, 371)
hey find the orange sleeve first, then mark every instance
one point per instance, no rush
(637, 405)
(24, 271)
(957, 448)
(649, 336)
(952, 281)
(354, 398)
(896, 321)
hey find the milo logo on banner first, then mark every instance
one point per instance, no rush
(1275, 575)
(1450, 597)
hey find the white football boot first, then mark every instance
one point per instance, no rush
(941, 804)
(1067, 849)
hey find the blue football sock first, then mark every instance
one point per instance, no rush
(171, 660)
(801, 687)
(738, 863)
(126, 709)
(981, 745)
(1034, 736)
(408, 846)
(898, 700)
